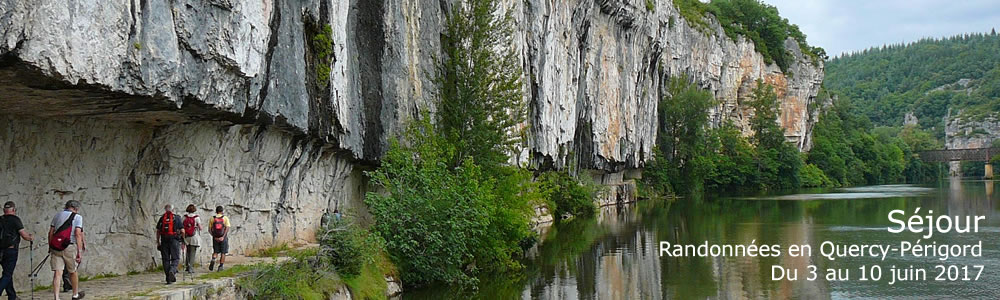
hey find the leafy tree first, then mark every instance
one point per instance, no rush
(683, 119)
(481, 97)
(778, 161)
(735, 162)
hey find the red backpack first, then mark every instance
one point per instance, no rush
(218, 226)
(167, 225)
(190, 225)
(61, 237)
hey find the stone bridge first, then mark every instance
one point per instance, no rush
(976, 154)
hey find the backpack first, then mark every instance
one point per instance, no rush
(167, 225)
(61, 237)
(218, 227)
(190, 225)
(7, 234)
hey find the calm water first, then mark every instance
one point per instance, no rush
(615, 256)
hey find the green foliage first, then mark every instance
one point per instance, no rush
(851, 151)
(322, 47)
(778, 161)
(683, 118)
(347, 246)
(812, 176)
(689, 157)
(302, 278)
(445, 224)
(735, 163)
(694, 12)
(755, 20)
(923, 77)
(481, 98)
(651, 5)
(566, 195)
(370, 283)
(995, 161)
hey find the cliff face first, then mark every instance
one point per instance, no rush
(130, 105)
(968, 133)
(597, 68)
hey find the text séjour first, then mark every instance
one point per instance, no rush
(941, 224)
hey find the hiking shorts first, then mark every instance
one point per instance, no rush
(220, 247)
(65, 259)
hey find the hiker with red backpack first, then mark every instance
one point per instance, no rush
(192, 236)
(168, 241)
(66, 247)
(218, 226)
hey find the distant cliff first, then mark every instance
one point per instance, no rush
(129, 105)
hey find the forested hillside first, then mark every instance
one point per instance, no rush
(927, 78)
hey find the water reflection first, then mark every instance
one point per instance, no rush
(616, 255)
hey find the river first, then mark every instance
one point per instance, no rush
(616, 255)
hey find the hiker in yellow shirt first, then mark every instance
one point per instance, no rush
(218, 226)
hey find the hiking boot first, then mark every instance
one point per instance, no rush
(220, 267)
(80, 296)
(211, 265)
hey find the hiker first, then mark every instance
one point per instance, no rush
(192, 236)
(218, 226)
(11, 233)
(168, 241)
(66, 247)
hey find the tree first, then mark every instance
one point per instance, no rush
(778, 161)
(481, 94)
(683, 115)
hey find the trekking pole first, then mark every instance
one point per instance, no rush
(31, 262)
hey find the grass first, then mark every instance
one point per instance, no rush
(99, 276)
(301, 278)
(370, 284)
(231, 271)
(271, 252)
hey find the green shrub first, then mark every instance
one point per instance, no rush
(812, 176)
(347, 246)
(443, 224)
(322, 46)
(566, 195)
(301, 278)
(995, 161)
(651, 5)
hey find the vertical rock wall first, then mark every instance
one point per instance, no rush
(274, 186)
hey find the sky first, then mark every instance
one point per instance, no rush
(841, 26)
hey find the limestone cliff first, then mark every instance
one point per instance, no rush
(967, 132)
(128, 105)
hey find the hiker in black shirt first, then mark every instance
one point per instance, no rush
(168, 241)
(11, 233)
